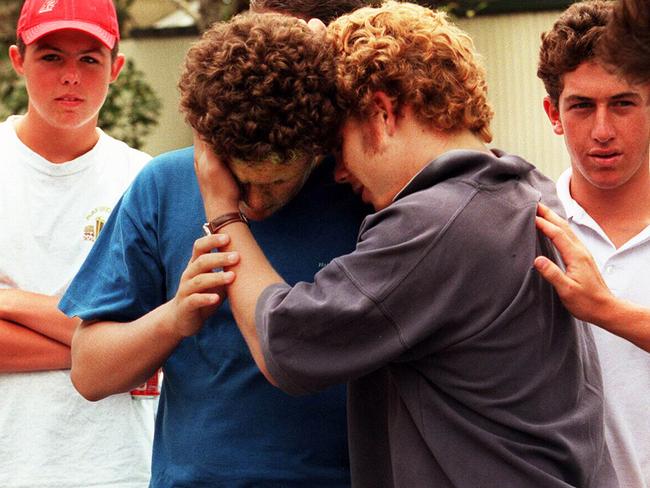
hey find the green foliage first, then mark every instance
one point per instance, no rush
(461, 8)
(131, 108)
(13, 96)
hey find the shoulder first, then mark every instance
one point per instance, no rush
(122, 150)
(169, 167)
(166, 174)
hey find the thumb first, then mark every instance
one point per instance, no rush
(551, 272)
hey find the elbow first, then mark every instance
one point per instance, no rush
(84, 387)
(81, 373)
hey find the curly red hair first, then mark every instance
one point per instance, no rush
(417, 58)
(259, 87)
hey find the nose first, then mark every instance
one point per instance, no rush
(254, 197)
(70, 75)
(603, 129)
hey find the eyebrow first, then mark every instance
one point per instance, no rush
(618, 96)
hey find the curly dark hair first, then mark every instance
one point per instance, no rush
(312, 9)
(261, 86)
(573, 40)
(627, 41)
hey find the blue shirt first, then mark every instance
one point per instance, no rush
(220, 423)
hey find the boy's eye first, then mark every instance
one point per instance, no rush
(50, 57)
(89, 60)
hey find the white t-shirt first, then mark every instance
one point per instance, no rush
(626, 368)
(50, 215)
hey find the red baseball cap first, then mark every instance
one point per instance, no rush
(95, 17)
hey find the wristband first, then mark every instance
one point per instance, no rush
(213, 226)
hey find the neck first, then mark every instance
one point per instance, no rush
(621, 212)
(57, 145)
(435, 144)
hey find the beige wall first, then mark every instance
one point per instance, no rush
(161, 61)
(508, 43)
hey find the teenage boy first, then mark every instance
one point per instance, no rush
(605, 120)
(60, 176)
(627, 49)
(260, 89)
(464, 369)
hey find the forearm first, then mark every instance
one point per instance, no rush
(23, 350)
(253, 274)
(114, 357)
(37, 312)
(625, 319)
(253, 271)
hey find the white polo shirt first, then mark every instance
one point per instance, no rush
(626, 368)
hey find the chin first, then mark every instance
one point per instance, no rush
(254, 214)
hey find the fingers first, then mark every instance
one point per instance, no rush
(550, 216)
(552, 273)
(317, 26)
(206, 244)
(557, 229)
(200, 275)
(207, 282)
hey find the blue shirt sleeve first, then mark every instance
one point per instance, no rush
(122, 277)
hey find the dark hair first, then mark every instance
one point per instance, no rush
(627, 41)
(260, 86)
(22, 48)
(574, 39)
(311, 9)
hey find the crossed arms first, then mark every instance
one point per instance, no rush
(34, 334)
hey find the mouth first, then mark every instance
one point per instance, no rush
(605, 157)
(69, 99)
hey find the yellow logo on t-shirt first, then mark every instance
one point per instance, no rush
(95, 221)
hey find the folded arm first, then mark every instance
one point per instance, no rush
(37, 312)
(582, 288)
(34, 334)
(25, 350)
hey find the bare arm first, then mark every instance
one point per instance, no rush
(582, 288)
(114, 357)
(22, 349)
(254, 272)
(37, 312)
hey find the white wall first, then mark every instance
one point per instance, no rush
(509, 45)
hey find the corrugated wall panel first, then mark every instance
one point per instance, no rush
(509, 45)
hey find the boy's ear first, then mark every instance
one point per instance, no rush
(17, 59)
(116, 66)
(386, 111)
(553, 114)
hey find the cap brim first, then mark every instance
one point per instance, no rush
(31, 35)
